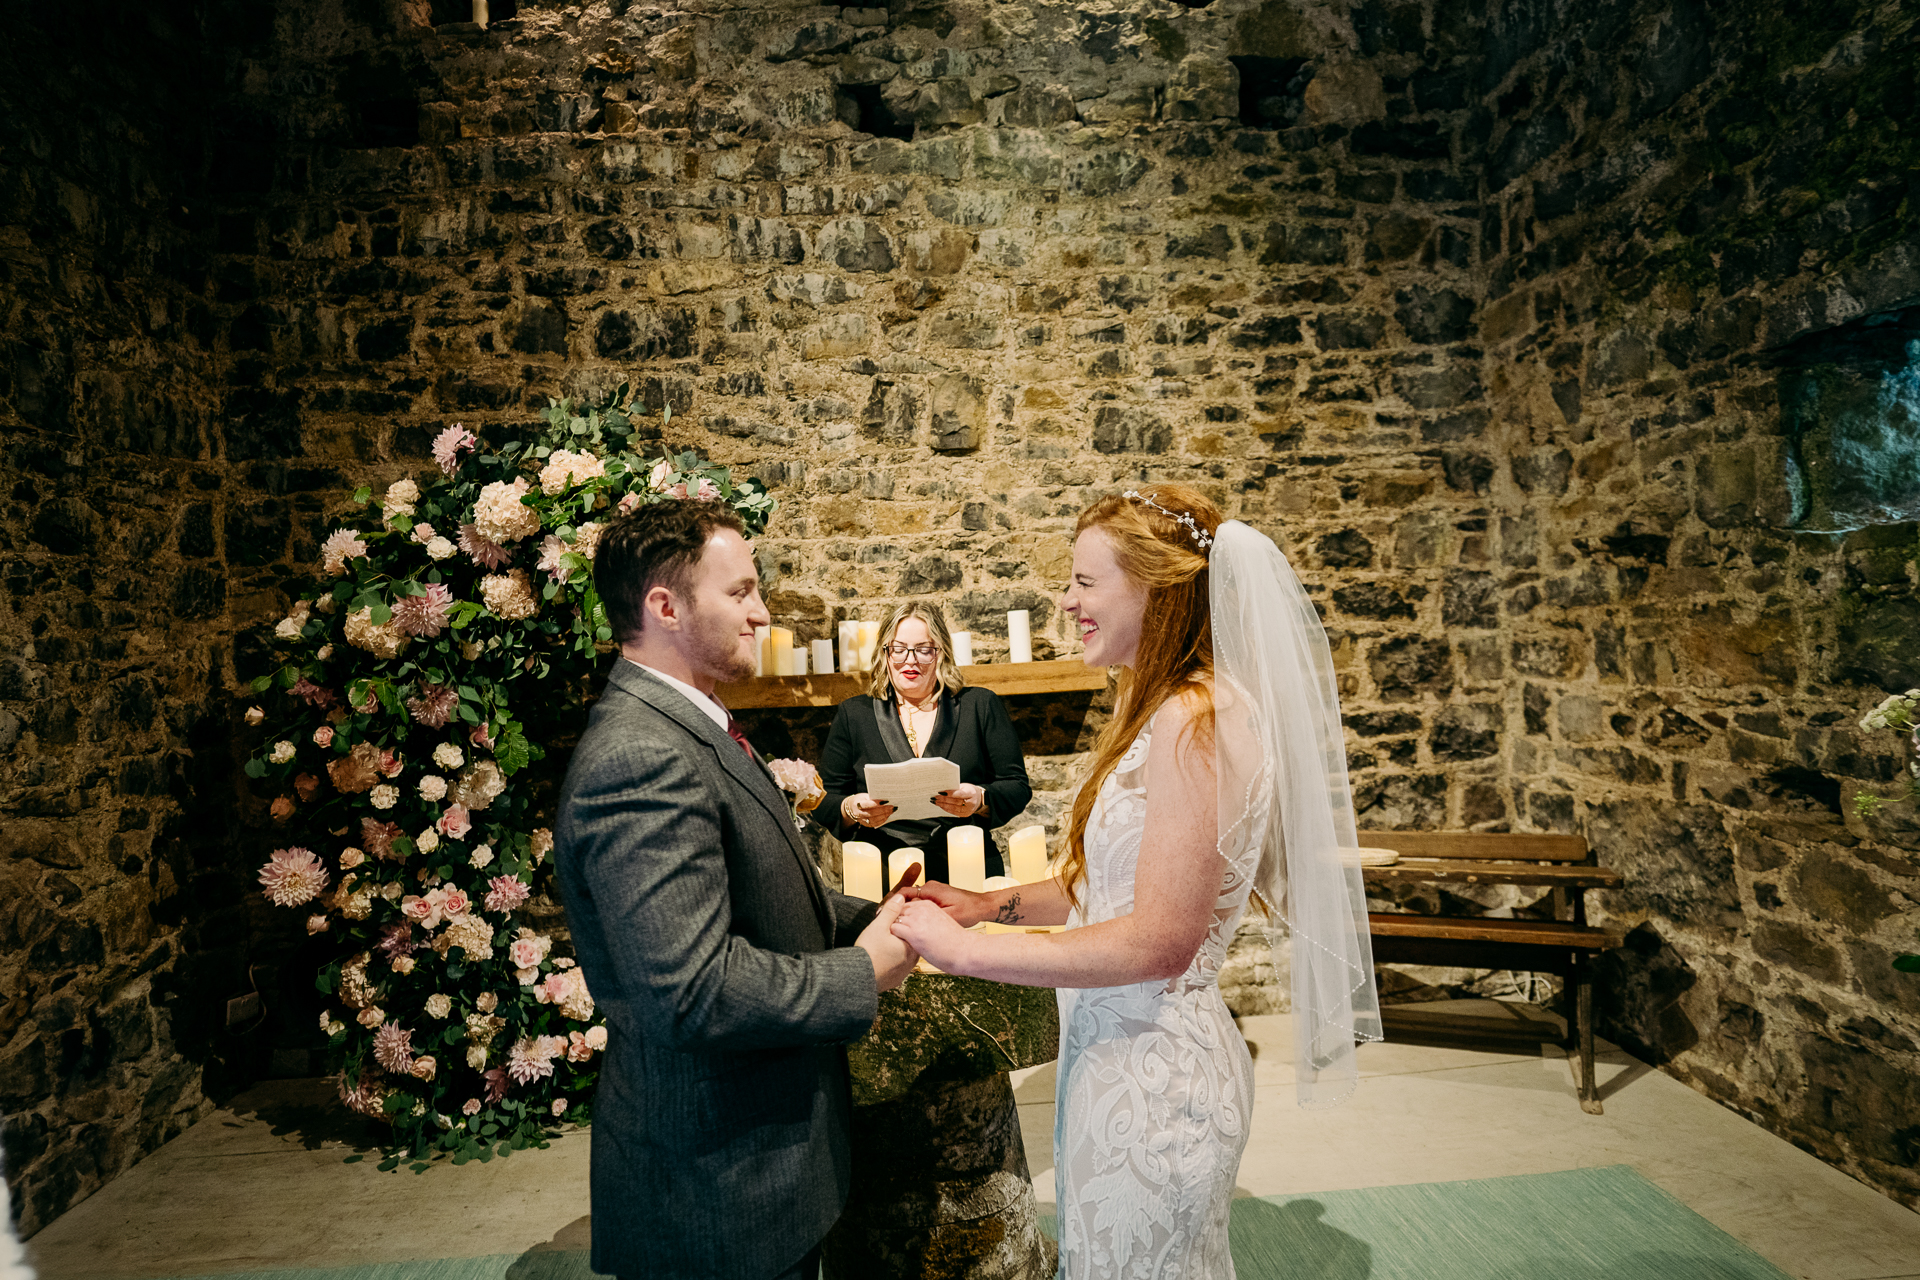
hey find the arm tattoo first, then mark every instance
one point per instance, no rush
(1009, 911)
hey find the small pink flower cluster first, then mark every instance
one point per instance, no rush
(428, 909)
(504, 893)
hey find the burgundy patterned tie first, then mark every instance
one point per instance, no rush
(733, 731)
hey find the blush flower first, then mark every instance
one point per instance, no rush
(596, 1038)
(454, 824)
(627, 504)
(400, 500)
(504, 893)
(531, 1059)
(292, 877)
(450, 445)
(482, 550)
(379, 836)
(448, 756)
(559, 1107)
(440, 549)
(499, 514)
(439, 1005)
(356, 771)
(481, 856)
(323, 736)
(382, 640)
(509, 595)
(341, 546)
(657, 478)
(551, 549)
(586, 539)
(385, 796)
(424, 615)
(471, 1107)
(314, 695)
(393, 1048)
(479, 786)
(434, 705)
(565, 469)
(708, 491)
(432, 787)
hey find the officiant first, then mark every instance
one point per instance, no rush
(918, 705)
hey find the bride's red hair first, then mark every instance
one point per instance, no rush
(1176, 639)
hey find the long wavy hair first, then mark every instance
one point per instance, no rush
(946, 676)
(1175, 657)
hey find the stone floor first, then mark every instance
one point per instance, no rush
(262, 1185)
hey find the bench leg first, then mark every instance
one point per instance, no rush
(1580, 1034)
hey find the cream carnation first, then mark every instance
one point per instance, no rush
(481, 856)
(564, 470)
(292, 877)
(439, 1005)
(400, 499)
(432, 787)
(499, 514)
(281, 753)
(427, 841)
(509, 595)
(440, 549)
(479, 786)
(596, 1038)
(448, 756)
(341, 546)
(385, 796)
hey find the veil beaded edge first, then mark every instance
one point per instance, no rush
(1284, 802)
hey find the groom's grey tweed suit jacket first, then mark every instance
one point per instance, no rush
(730, 988)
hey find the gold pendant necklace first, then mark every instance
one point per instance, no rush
(908, 712)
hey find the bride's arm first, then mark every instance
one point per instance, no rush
(1176, 886)
(1043, 902)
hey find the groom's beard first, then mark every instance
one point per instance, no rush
(716, 646)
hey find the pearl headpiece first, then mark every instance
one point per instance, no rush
(1199, 535)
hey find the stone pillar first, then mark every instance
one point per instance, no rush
(941, 1188)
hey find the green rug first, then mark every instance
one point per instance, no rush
(1584, 1224)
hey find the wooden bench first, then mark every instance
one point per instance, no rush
(1564, 945)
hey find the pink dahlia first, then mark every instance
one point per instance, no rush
(532, 1059)
(485, 552)
(397, 940)
(450, 444)
(434, 705)
(393, 1048)
(497, 1083)
(366, 1097)
(504, 893)
(551, 549)
(424, 615)
(341, 546)
(315, 695)
(292, 877)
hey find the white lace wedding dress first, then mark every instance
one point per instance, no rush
(1155, 1084)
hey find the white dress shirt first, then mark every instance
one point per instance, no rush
(706, 702)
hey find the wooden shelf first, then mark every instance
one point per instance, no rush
(1063, 675)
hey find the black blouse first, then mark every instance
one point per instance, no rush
(972, 729)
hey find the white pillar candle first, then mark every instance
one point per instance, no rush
(967, 858)
(899, 860)
(860, 870)
(850, 647)
(1027, 854)
(762, 651)
(1019, 637)
(869, 642)
(798, 661)
(962, 649)
(995, 883)
(823, 657)
(780, 645)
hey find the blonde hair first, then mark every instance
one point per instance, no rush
(1175, 657)
(945, 675)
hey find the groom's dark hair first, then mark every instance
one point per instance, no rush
(655, 545)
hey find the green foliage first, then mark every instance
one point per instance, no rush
(413, 693)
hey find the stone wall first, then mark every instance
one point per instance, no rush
(1481, 310)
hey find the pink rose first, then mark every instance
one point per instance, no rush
(423, 911)
(559, 1106)
(455, 823)
(323, 736)
(317, 924)
(480, 737)
(678, 490)
(657, 478)
(629, 503)
(708, 491)
(455, 902)
(554, 989)
(578, 1050)
(527, 953)
(391, 762)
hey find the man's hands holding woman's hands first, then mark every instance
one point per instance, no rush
(934, 922)
(892, 955)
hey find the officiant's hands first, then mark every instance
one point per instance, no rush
(962, 801)
(893, 956)
(864, 811)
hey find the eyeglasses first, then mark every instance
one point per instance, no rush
(924, 652)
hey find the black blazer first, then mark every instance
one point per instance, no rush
(972, 730)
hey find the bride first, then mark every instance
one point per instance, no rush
(1222, 773)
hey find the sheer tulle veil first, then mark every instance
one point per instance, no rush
(1284, 799)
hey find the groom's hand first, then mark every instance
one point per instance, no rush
(892, 958)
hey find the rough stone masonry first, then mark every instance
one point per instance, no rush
(1521, 325)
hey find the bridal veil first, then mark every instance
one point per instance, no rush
(1285, 805)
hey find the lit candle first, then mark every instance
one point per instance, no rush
(898, 861)
(850, 647)
(869, 642)
(962, 649)
(780, 642)
(967, 858)
(1019, 637)
(799, 660)
(860, 870)
(823, 657)
(1027, 852)
(762, 651)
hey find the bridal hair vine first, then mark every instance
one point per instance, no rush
(1199, 535)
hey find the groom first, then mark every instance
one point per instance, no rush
(730, 976)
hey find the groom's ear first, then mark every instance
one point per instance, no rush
(662, 608)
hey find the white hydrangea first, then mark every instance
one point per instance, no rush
(448, 756)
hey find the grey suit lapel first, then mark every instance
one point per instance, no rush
(751, 774)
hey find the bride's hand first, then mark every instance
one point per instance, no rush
(965, 907)
(933, 933)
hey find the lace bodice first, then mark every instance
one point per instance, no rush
(1114, 831)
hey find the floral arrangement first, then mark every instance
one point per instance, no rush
(453, 630)
(801, 782)
(1897, 712)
